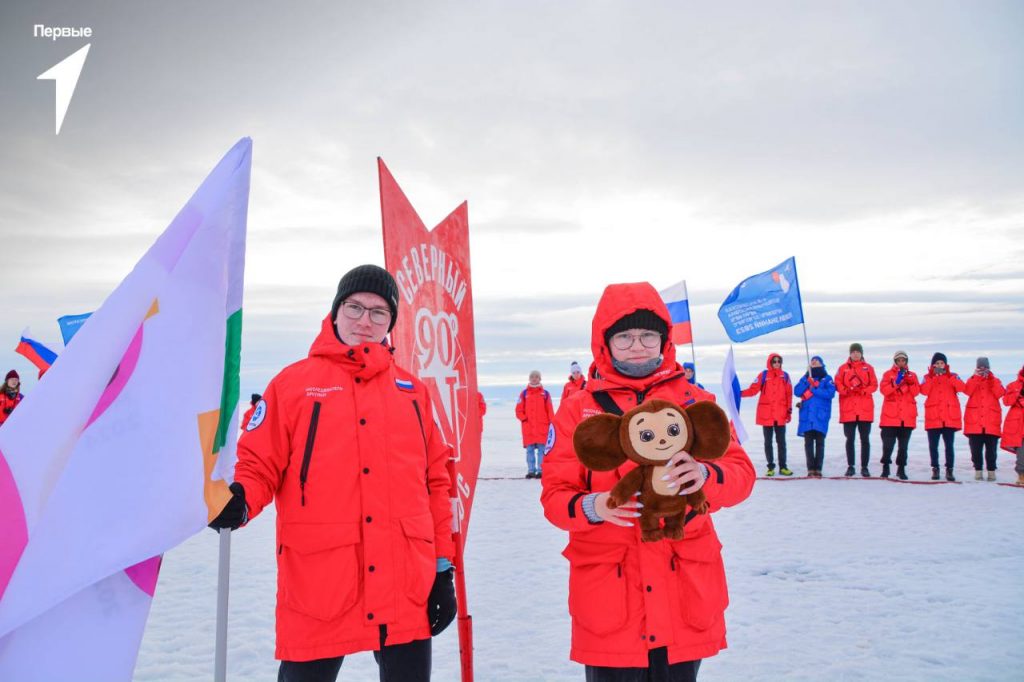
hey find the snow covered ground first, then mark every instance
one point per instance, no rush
(829, 580)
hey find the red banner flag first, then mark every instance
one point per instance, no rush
(434, 336)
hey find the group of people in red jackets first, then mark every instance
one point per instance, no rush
(856, 382)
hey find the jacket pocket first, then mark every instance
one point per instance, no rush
(318, 568)
(700, 575)
(597, 586)
(421, 562)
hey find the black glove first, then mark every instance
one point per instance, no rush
(235, 512)
(8, 410)
(441, 602)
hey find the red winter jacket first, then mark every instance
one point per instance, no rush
(533, 409)
(573, 386)
(1013, 426)
(942, 407)
(8, 403)
(246, 417)
(626, 596)
(775, 406)
(348, 451)
(983, 414)
(855, 383)
(899, 401)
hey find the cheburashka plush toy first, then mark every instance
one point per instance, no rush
(650, 434)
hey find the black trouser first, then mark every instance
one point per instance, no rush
(978, 441)
(408, 662)
(893, 436)
(779, 430)
(658, 670)
(864, 428)
(933, 445)
(814, 449)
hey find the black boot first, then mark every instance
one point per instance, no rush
(850, 471)
(949, 474)
(935, 473)
(885, 470)
(901, 473)
(864, 472)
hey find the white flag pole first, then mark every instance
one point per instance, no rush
(220, 665)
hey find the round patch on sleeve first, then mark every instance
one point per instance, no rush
(257, 416)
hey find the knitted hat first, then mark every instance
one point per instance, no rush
(372, 279)
(12, 375)
(575, 367)
(939, 356)
(901, 354)
(857, 347)
(983, 363)
(641, 319)
(255, 398)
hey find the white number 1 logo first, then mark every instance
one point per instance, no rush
(65, 77)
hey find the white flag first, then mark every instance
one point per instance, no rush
(116, 456)
(731, 391)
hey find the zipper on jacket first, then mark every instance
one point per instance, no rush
(426, 452)
(308, 454)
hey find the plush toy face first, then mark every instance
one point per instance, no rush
(656, 436)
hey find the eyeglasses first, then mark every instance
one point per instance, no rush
(624, 340)
(354, 311)
(777, 361)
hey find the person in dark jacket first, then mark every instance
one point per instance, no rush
(816, 391)
(347, 450)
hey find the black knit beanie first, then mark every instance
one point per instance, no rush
(641, 319)
(939, 356)
(370, 278)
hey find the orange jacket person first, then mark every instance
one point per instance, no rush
(774, 409)
(942, 415)
(534, 410)
(900, 389)
(855, 384)
(345, 445)
(656, 605)
(983, 417)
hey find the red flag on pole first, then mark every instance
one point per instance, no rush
(434, 339)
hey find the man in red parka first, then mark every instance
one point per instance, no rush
(774, 409)
(254, 400)
(1013, 426)
(534, 410)
(344, 443)
(855, 384)
(900, 389)
(640, 610)
(10, 396)
(942, 413)
(983, 417)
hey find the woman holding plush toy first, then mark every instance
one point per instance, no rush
(644, 604)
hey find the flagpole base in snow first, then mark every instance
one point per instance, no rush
(220, 662)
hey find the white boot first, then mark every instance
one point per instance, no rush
(991, 475)
(977, 475)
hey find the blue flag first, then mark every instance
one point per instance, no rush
(70, 324)
(764, 303)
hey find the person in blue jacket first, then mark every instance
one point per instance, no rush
(690, 371)
(815, 391)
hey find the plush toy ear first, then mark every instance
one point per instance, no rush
(711, 434)
(596, 441)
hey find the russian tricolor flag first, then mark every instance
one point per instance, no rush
(676, 300)
(38, 354)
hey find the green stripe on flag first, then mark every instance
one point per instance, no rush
(230, 389)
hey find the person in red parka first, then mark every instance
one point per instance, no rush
(899, 388)
(1013, 425)
(774, 409)
(856, 384)
(254, 400)
(576, 382)
(983, 417)
(942, 415)
(344, 443)
(11, 395)
(639, 610)
(534, 410)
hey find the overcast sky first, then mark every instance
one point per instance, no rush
(880, 143)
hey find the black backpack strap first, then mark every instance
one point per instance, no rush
(607, 404)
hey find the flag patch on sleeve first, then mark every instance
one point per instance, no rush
(404, 385)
